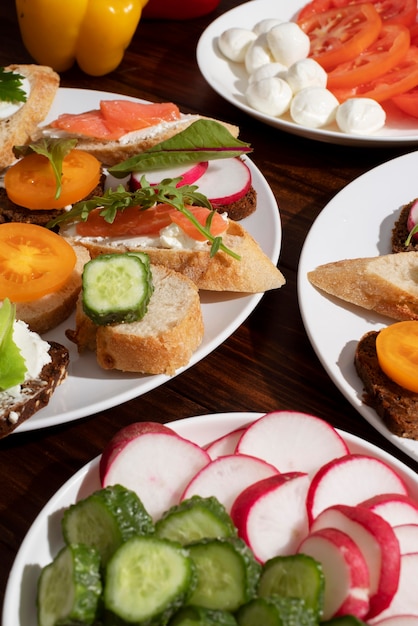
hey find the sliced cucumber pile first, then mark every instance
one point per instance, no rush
(190, 568)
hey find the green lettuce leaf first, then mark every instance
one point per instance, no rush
(204, 140)
(12, 364)
(11, 86)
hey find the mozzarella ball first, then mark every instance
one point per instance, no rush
(360, 116)
(306, 73)
(267, 71)
(258, 54)
(234, 42)
(271, 96)
(265, 25)
(288, 43)
(314, 107)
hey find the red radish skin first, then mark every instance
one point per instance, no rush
(225, 444)
(345, 571)
(378, 544)
(292, 441)
(227, 476)
(395, 508)
(413, 218)
(405, 600)
(157, 466)
(270, 515)
(189, 175)
(225, 181)
(351, 479)
(407, 536)
(124, 436)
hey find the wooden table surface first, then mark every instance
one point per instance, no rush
(268, 363)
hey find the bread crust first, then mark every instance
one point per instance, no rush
(20, 127)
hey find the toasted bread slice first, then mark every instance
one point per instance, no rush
(253, 273)
(35, 394)
(19, 128)
(161, 342)
(47, 312)
(387, 284)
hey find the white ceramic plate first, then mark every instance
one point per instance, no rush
(89, 389)
(229, 79)
(43, 540)
(356, 223)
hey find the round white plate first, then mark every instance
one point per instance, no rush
(89, 389)
(43, 540)
(356, 223)
(229, 79)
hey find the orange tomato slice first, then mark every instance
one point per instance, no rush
(391, 11)
(397, 353)
(34, 261)
(31, 182)
(408, 102)
(134, 222)
(341, 34)
(387, 51)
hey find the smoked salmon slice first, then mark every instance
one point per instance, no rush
(116, 118)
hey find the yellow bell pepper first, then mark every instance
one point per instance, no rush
(93, 33)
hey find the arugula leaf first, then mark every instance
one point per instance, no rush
(11, 86)
(55, 150)
(203, 140)
(12, 363)
(144, 198)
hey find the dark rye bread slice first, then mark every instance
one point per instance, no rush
(397, 406)
(35, 394)
(240, 208)
(400, 232)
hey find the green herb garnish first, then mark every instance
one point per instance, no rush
(11, 86)
(411, 234)
(114, 200)
(12, 364)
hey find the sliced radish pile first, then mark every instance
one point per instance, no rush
(291, 486)
(189, 174)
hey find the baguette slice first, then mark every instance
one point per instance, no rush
(19, 128)
(47, 312)
(35, 394)
(253, 273)
(161, 342)
(386, 284)
(397, 407)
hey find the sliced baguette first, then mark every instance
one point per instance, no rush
(161, 342)
(35, 394)
(386, 284)
(47, 312)
(19, 128)
(253, 273)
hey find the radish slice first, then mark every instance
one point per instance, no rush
(190, 174)
(378, 544)
(413, 218)
(225, 181)
(350, 480)
(395, 508)
(227, 476)
(398, 620)
(292, 441)
(224, 445)
(270, 515)
(405, 600)
(345, 570)
(407, 536)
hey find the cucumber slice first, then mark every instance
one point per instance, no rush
(70, 588)
(194, 519)
(227, 573)
(276, 611)
(147, 580)
(297, 576)
(105, 519)
(199, 616)
(116, 288)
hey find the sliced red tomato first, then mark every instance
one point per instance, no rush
(341, 34)
(31, 183)
(399, 79)
(414, 34)
(408, 102)
(391, 11)
(34, 261)
(134, 222)
(387, 51)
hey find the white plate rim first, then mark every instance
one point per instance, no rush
(201, 429)
(345, 323)
(225, 78)
(109, 389)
